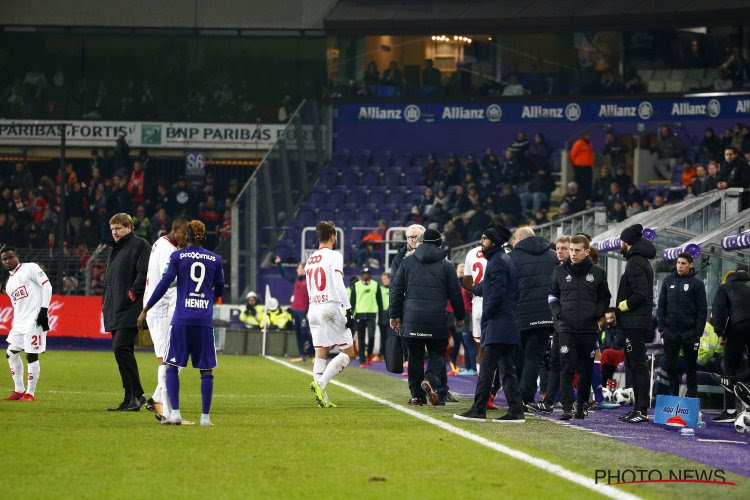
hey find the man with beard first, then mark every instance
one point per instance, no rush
(634, 304)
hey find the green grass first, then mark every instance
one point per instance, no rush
(271, 440)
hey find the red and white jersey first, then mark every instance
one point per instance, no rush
(158, 262)
(29, 290)
(325, 278)
(476, 264)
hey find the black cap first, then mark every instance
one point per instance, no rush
(497, 233)
(631, 234)
(433, 237)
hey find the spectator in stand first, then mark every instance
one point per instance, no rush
(710, 148)
(118, 197)
(182, 200)
(540, 218)
(562, 211)
(695, 56)
(6, 201)
(701, 182)
(459, 200)
(601, 184)
(415, 217)
(489, 161)
(539, 190)
(688, 173)
(426, 200)
(485, 184)
(510, 170)
(70, 286)
(615, 149)
(142, 224)
(88, 235)
(473, 195)
(478, 221)
(582, 159)
(22, 178)
(725, 140)
(538, 153)
(210, 216)
(430, 171)
(618, 213)
(136, 184)
(714, 174)
(431, 79)
(744, 140)
(393, 76)
(471, 167)
(738, 174)
(161, 224)
(633, 195)
(93, 184)
(509, 206)
(615, 194)
(658, 202)
(622, 178)
(451, 173)
(452, 235)
(5, 228)
(38, 207)
(438, 215)
(669, 152)
(633, 208)
(441, 199)
(573, 199)
(371, 78)
(225, 230)
(76, 205)
(514, 87)
(735, 66)
(520, 145)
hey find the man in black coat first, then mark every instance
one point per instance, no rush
(124, 284)
(578, 297)
(534, 261)
(424, 283)
(682, 315)
(635, 301)
(500, 331)
(738, 173)
(732, 323)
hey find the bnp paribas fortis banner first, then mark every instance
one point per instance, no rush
(474, 126)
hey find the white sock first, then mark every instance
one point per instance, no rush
(16, 371)
(175, 415)
(161, 384)
(319, 366)
(33, 377)
(334, 368)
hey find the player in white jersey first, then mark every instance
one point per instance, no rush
(329, 315)
(160, 316)
(474, 267)
(30, 292)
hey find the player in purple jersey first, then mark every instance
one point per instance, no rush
(200, 281)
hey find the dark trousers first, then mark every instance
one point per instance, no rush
(500, 357)
(385, 332)
(529, 358)
(366, 325)
(301, 331)
(576, 352)
(470, 351)
(553, 373)
(738, 337)
(435, 364)
(123, 346)
(635, 360)
(584, 177)
(689, 345)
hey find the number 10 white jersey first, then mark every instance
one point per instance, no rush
(325, 278)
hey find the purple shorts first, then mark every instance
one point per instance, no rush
(194, 341)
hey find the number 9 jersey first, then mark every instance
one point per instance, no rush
(200, 281)
(324, 271)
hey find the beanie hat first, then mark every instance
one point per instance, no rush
(631, 234)
(433, 237)
(497, 233)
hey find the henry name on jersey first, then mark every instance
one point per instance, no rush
(196, 301)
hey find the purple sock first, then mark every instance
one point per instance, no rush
(173, 387)
(207, 391)
(596, 382)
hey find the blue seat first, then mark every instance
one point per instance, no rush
(307, 218)
(357, 194)
(382, 158)
(349, 178)
(328, 177)
(367, 215)
(377, 195)
(404, 160)
(371, 177)
(326, 214)
(360, 158)
(341, 156)
(337, 196)
(317, 197)
(396, 194)
(412, 178)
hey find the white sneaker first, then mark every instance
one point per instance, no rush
(206, 422)
(176, 421)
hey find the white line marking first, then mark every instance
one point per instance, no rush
(721, 441)
(546, 466)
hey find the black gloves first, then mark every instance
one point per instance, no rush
(350, 319)
(42, 319)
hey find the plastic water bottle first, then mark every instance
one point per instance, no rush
(701, 423)
(687, 431)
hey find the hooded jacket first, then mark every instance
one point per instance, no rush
(578, 296)
(637, 287)
(682, 306)
(423, 284)
(534, 263)
(731, 304)
(500, 299)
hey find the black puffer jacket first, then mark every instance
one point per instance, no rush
(126, 271)
(732, 302)
(423, 284)
(682, 306)
(534, 265)
(578, 297)
(637, 287)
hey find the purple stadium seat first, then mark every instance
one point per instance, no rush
(402, 161)
(325, 214)
(367, 215)
(337, 196)
(393, 178)
(341, 156)
(371, 177)
(396, 194)
(377, 195)
(307, 218)
(328, 177)
(349, 178)
(357, 194)
(317, 197)
(412, 178)
(382, 158)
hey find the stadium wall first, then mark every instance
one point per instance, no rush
(470, 126)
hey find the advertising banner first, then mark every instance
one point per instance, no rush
(69, 316)
(232, 136)
(474, 126)
(676, 411)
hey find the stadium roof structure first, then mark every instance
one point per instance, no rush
(494, 16)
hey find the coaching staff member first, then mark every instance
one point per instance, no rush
(501, 335)
(635, 300)
(578, 297)
(124, 284)
(682, 315)
(423, 284)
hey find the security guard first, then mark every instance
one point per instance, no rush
(253, 315)
(277, 317)
(367, 302)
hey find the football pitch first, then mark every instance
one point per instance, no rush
(270, 440)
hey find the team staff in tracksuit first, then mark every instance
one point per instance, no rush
(635, 301)
(682, 314)
(366, 302)
(578, 297)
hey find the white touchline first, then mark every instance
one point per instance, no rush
(555, 469)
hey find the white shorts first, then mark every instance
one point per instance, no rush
(33, 342)
(328, 326)
(159, 327)
(476, 325)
